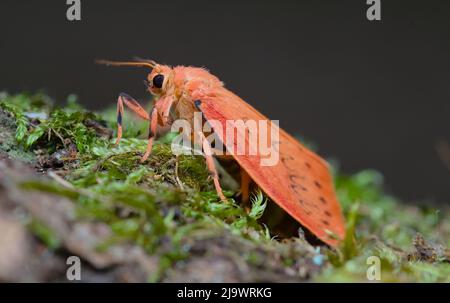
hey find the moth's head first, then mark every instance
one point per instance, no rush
(158, 80)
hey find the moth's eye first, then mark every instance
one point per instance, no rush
(158, 81)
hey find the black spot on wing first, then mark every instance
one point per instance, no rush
(325, 222)
(293, 178)
(297, 187)
(284, 159)
(304, 205)
(307, 204)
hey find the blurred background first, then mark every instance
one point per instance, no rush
(370, 94)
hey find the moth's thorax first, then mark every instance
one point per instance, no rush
(185, 84)
(190, 78)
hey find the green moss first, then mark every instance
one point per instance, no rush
(380, 225)
(8, 141)
(45, 234)
(167, 201)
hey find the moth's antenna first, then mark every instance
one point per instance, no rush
(141, 63)
(139, 59)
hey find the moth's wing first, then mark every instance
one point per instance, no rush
(300, 182)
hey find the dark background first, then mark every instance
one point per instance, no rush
(371, 94)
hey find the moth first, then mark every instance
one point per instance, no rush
(300, 182)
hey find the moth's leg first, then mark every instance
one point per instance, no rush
(245, 185)
(211, 166)
(165, 106)
(131, 104)
(151, 132)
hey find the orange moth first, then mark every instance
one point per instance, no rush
(300, 182)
